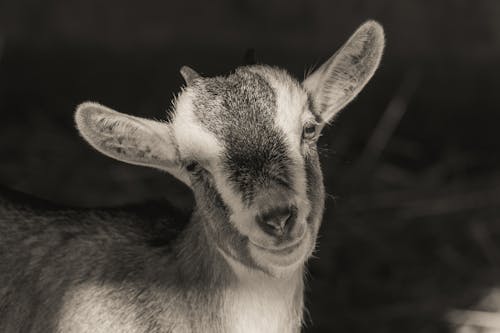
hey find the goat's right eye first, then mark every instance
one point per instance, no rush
(191, 166)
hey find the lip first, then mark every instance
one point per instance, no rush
(284, 250)
(287, 256)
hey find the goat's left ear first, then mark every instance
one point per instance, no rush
(341, 78)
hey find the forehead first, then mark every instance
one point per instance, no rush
(251, 112)
(254, 113)
(248, 100)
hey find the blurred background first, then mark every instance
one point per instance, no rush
(412, 227)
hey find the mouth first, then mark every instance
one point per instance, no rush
(280, 250)
(283, 255)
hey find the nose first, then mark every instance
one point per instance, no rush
(278, 221)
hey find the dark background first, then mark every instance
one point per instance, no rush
(411, 166)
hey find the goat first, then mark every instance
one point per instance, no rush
(245, 144)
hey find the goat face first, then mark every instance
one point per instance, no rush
(256, 163)
(246, 144)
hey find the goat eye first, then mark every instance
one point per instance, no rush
(191, 166)
(309, 131)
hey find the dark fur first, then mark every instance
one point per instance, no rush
(240, 109)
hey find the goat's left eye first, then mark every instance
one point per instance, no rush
(191, 166)
(309, 131)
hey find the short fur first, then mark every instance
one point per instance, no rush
(246, 145)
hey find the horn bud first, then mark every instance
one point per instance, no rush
(189, 75)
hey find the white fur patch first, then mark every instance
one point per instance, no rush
(260, 303)
(94, 309)
(194, 141)
(291, 112)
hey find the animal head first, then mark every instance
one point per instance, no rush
(246, 144)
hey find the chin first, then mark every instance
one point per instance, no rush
(280, 262)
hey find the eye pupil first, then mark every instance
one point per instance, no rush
(309, 131)
(191, 166)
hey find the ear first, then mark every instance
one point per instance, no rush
(129, 139)
(341, 78)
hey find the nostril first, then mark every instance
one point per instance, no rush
(277, 221)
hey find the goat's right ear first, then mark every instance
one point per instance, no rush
(129, 139)
(341, 78)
